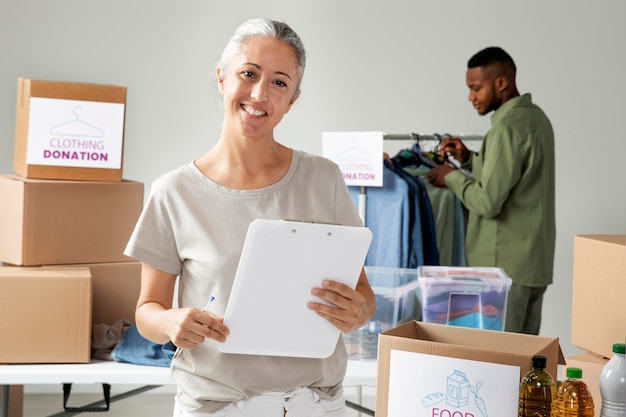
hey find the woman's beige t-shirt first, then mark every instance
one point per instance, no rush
(195, 228)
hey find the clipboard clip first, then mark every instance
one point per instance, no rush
(310, 221)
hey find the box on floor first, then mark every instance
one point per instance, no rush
(436, 369)
(598, 288)
(45, 315)
(69, 130)
(591, 366)
(116, 288)
(66, 222)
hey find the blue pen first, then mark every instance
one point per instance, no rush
(205, 309)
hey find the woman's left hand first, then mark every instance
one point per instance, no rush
(349, 308)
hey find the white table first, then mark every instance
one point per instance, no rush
(359, 374)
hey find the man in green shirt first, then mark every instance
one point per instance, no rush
(510, 194)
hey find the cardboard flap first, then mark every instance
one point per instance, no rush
(74, 90)
(475, 344)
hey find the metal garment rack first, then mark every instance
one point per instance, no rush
(434, 137)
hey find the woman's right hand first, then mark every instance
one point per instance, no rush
(158, 322)
(188, 327)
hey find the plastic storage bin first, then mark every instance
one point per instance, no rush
(396, 303)
(464, 296)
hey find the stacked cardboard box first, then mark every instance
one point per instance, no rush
(66, 215)
(598, 288)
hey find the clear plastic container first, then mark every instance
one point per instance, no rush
(537, 390)
(464, 296)
(395, 290)
(613, 384)
(573, 397)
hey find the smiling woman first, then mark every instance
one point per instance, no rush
(258, 88)
(194, 225)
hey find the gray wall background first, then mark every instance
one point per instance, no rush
(396, 66)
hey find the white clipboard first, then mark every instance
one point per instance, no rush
(281, 262)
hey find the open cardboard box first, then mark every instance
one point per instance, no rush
(434, 369)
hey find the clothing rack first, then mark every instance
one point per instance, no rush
(434, 137)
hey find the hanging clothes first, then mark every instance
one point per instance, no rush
(387, 216)
(423, 215)
(401, 219)
(449, 220)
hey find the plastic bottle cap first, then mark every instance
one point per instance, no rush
(619, 348)
(539, 361)
(574, 373)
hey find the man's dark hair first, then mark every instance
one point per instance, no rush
(492, 55)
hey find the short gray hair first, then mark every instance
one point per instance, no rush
(267, 28)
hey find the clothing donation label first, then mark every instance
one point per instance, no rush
(358, 154)
(75, 133)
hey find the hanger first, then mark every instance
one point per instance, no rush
(413, 157)
(77, 127)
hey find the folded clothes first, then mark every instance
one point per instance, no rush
(478, 321)
(104, 337)
(451, 301)
(482, 311)
(134, 348)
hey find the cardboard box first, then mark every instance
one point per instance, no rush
(395, 290)
(66, 222)
(16, 400)
(45, 315)
(598, 288)
(592, 367)
(116, 287)
(438, 370)
(72, 131)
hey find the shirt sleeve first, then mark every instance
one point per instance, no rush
(495, 174)
(153, 241)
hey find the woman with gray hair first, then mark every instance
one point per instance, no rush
(194, 224)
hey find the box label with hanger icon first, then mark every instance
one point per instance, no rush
(358, 154)
(69, 131)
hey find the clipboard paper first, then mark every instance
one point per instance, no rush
(280, 263)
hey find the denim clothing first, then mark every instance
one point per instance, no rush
(449, 217)
(387, 215)
(134, 348)
(401, 219)
(424, 219)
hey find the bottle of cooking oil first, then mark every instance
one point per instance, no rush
(537, 390)
(573, 398)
